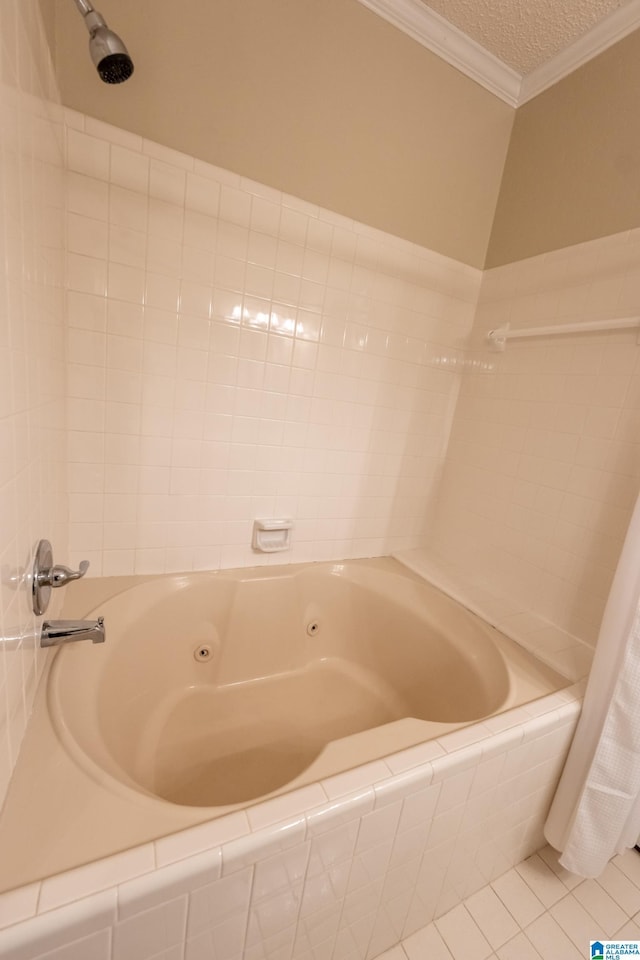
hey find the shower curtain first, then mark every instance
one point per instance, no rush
(596, 810)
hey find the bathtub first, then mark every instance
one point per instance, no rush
(217, 690)
(233, 705)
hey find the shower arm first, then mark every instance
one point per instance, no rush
(91, 17)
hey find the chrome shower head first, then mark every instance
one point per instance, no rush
(107, 50)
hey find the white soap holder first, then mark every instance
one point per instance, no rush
(271, 536)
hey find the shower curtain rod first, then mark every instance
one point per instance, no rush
(498, 338)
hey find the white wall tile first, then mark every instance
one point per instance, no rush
(541, 471)
(202, 245)
(32, 338)
(97, 946)
(147, 934)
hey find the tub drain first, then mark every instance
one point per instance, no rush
(203, 652)
(313, 628)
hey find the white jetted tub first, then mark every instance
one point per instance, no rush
(215, 691)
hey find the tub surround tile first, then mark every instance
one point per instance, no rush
(352, 780)
(220, 910)
(204, 836)
(402, 785)
(19, 904)
(499, 743)
(561, 650)
(146, 934)
(100, 875)
(271, 812)
(59, 928)
(415, 756)
(538, 497)
(275, 900)
(97, 946)
(263, 843)
(32, 332)
(388, 868)
(277, 277)
(503, 721)
(168, 883)
(455, 790)
(328, 869)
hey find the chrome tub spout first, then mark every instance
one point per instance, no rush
(56, 632)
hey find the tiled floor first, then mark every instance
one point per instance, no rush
(537, 911)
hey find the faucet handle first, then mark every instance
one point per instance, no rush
(46, 575)
(60, 575)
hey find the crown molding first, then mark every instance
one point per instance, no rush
(614, 27)
(450, 43)
(435, 33)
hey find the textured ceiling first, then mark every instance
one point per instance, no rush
(524, 33)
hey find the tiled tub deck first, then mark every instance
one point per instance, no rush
(342, 869)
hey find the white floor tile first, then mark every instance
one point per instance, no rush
(576, 922)
(537, 911)
(630, 931)
(620, 888)
(426, 943)
(396, 953)
(598, 904)
(551, 941)
(550, 857)
(520, 948)
(543, 881)
(629, 863)
(518, 898)
(462, 935)
(491, 915)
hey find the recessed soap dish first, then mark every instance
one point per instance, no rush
(271, 536)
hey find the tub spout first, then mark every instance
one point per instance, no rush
(56, 632)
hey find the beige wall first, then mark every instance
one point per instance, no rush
(319, 98)
(572, 171)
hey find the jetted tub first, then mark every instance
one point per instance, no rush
(215, 692)
(218, 689)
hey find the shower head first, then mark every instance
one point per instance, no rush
(107, 50)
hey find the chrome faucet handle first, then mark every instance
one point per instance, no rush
(60, 575)
(46, 575)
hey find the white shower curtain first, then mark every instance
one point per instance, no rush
(596, 810)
